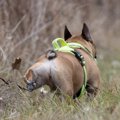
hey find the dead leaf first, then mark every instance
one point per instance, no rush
(16, 64)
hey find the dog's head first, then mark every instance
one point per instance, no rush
(36, 76)
(30, 80)
(85, 39)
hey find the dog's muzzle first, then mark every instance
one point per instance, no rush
(31, 86)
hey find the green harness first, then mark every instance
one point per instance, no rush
(61, 45)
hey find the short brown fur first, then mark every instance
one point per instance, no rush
(64, 72)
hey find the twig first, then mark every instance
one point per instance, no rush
(22, 88)
(4, 81)
(18, 24)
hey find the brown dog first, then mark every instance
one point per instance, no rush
(62, 71)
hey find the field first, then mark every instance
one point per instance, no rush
(26, 31)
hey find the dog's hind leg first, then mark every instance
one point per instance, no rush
(92, 88)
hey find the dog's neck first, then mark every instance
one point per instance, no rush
(90, 46)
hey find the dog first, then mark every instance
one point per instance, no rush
(63, 72)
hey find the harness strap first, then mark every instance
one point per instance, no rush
(82, 62)
(77, 45)
(61, 45)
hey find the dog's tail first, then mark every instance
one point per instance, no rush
(51, 54)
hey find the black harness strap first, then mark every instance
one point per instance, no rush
(80, 57)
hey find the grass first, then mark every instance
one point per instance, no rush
(33, 106)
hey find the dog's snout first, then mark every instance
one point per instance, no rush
(31, 86)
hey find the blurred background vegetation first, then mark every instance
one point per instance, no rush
(27, 28)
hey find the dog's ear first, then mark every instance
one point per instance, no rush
(29, 75)
(67, 34)
(85, 33)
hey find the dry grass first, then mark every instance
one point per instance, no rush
(27, 29)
